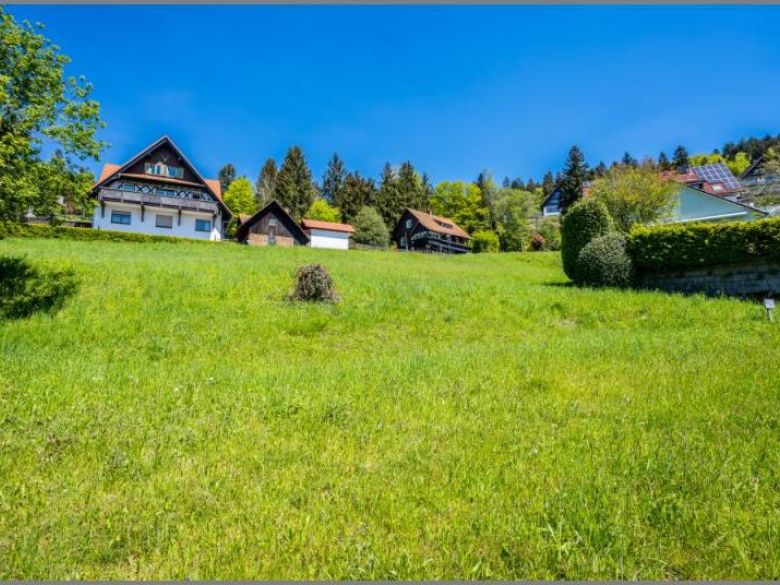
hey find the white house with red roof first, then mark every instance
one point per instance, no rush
(159, 192)
(326, 234)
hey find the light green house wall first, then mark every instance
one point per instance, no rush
(695, 205)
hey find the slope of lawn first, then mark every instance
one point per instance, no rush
(452, 417)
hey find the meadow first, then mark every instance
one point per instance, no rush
(452, 417)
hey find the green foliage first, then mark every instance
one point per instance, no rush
(586, 220)
(370, 230)
(226, 176)
(266, 183)
(38, 231)
(333, 178)
(240, 197)
(484, 241)
(462, 203)
(575, 173)
(40, 108)
(549, 228)
(322, 211)
(513, 209)
(294, 189)
(680, 159)
(604, 262)
(313, 283)
(388, 199)
(176, 417)
(693, 245)
(635, 195)
(356, 192)
(26, 288)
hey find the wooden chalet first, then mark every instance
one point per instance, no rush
(271, 226)
(159, 192)
(425, 232)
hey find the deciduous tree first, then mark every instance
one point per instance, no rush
(323, 211)
(370, 229)
(240, 197)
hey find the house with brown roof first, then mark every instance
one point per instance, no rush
(425, 232)
(271, 226)
(159, 192)
(326, 234)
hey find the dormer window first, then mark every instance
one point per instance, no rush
(162, 170)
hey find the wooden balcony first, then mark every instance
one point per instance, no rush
(152, 199)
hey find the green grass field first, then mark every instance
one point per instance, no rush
(452, 417)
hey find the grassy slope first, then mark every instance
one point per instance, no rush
(451, 418)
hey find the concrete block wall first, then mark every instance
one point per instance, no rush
(740, 280)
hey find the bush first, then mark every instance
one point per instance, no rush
(42, 231)
(604, 262)
(694, 245)
(370, 229)
(484, 241)
(550, 230)
(313, 283)
(586, 220)
(26, 288)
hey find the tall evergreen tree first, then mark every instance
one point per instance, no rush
(227, 175)
(530, 186)
(628, 160)
(388, 201)
(333, 178)
(680, 158)
(517, 183)
(663, 162)
(489, 190)
(410, 191)
(294, 188)
(575, 173)
(356, 192)
(266, 180)
(426, 188)
(506, 183)
(600, 170)
(548, 183)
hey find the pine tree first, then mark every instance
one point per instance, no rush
(663, 162)
(410, 192)
(517, 183)
(333, 178)
(575, 173)
(680, 158)
(548, 183)
(600, 170)
(530, 186)
(426, 191)
(356, 192)
(266, 180)
(388, 202)
(506, 183)
(488, 189)
(628, 160)
(227, 175)
(294, 189)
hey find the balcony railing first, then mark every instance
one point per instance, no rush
(157, 200)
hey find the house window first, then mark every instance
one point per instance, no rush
(408, 224)
(163, 221)
(202, 225)
(121, 217)
(271, 222)
(163, 170)
(166, 192)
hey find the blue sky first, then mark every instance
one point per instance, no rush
(454, 89)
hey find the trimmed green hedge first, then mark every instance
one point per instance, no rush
(695, 245)
(44, 231)
(584, 221)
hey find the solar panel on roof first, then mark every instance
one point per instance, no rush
(718, 173)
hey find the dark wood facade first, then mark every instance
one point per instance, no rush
(424, 232)
(271, 226)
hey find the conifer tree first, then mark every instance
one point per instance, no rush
(548, 183)
(517, 183)
(530, 186)
(266, 180)
(294, 189)
(680, 158)
(663, 162)
(388, 201)
(575, 173)
(410, 192)
(333, 178)
(227, 175)
(628, 160)
(600, 170)
(356, 192)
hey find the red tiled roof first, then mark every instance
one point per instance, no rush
(108, 170)
(315, 224)
(215, 186)
(434, 224)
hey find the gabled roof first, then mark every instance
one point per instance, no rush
(315, 224)
(438, 224)
(111, 170)
(273, 206)
(739, 208)
(755, 166)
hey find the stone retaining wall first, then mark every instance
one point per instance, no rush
(740, 280)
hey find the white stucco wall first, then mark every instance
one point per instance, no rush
(329, 239)
(102, 220)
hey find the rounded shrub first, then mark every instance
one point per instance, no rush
(537, 242)
(586, 220)
(604, 262)
(313, 283)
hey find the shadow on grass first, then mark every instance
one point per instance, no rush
(26, 289)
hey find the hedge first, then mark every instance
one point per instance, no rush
(694, 245)
(43, 231)
(604, 262)
(584, 221)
